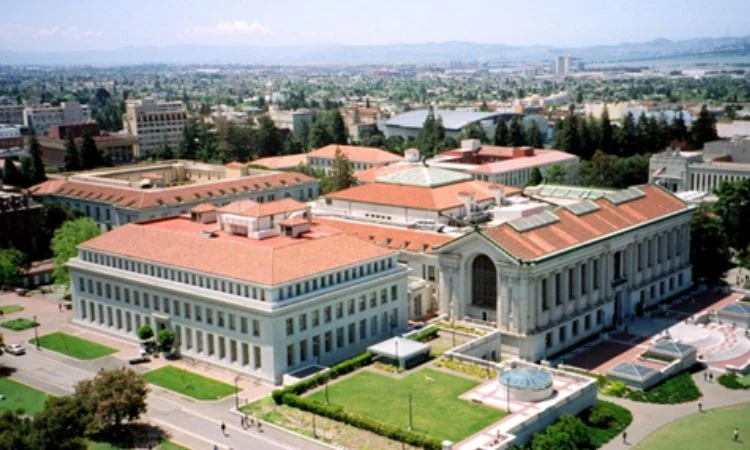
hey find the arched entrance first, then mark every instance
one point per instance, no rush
(483, 282)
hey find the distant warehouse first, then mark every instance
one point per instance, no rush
(410, 123)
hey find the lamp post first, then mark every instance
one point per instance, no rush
(398, 360)
(507, 395)
(36, 334)
(411, 423)
(236, 394)
(328, 400)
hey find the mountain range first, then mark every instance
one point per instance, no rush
(424, 53)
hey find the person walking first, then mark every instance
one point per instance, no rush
(736, 435)
(242, 422)
(625, 437)
(223, 428)
(710, 377)
(700, 405)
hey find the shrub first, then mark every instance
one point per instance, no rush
(730, 380)
(425, 335)
(19, 324)
(615, 389)
(145, 332)
(466, 368)
(165, 339)
(601, 433)
(600, 417)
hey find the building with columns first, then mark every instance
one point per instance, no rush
(551, 280)
(252, 287)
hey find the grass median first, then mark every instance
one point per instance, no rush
(19, 396)
(189, 383)
(73, 346)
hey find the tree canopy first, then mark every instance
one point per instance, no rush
(516, 135)
(709, 247)
(112, 397)
(501, 133)
(72, 160)
(431, 136)
(65, 241)
(341, 176)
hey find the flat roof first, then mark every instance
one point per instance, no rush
(399, 348)
(452, 120)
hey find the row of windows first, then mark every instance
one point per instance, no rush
(170, 306)
(216, 347)
(562, 331)
(658, 248)
(561, 293)
(352, 307)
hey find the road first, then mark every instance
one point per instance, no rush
(193, 423)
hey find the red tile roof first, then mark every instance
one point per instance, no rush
(281, 162)
(389, 237)
(236, 165)
(134, 198)
(179, 242)
(434, 199)
(204, 207)
(370, 155)
(572, 230)
(250, 208)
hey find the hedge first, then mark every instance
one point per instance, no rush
(730, 380)
(425, 335)
(342, 368)
(339, 414)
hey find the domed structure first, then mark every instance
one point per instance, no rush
(527, 384)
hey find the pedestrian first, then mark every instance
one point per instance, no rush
(700, 405)
(705, 376)
(710, 377)
(736, 435)
(242, 422)
(59, 307)
(625, 437)
(223, 428)
(259, 427)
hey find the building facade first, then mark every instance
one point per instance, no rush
(41, 117)
(20, 220)
(361, 158)
(154, 123)
(298, 122)
(120, 148)
(264, 306)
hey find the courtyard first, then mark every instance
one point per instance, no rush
(437, 410)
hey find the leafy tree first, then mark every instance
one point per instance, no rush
(516, 136)
(12, 261)
(704, 128)
(72, 159)
(165, 339)
(600, 171)
(535, 178)
(302, 134)
(568, 433)
(341, 176)
(292, 145)
(587, 137)
(474, 131)
(164, 151)
(36, 171)
(111, 397)
(267, 139)
(14, 431)
(61, 425)
(709, 247)
(501, 133)
(607, 139)
(431, 136)
(556, 174)
(91, 157)
(65, 241)
(11, 175)
(145, 332)
(534, 136)
(569, 138)
(188, 148)
(337, 128)
(319, 135)
(372, 137)
(733, 207)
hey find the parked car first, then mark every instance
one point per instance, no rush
(15, 349)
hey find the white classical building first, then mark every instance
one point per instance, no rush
(264, 302)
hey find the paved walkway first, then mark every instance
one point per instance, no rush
(648, 417)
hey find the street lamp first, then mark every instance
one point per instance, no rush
(328, 400)
(411, 422)
(236, 394)
(36, 334)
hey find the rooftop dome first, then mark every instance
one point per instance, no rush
(526, 379)
(422, 176)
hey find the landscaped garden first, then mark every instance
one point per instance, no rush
(19, 324)
(19, 396)
(733, 381)
(678, 389)
(73, 346)
(10, 309)
(710, 430)
(188, 383)
(437, 410)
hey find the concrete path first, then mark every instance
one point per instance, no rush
(648, 417)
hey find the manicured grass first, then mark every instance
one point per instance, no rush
(10, 309)
(189, 383)
(169, 445)
(166, 445)
(73, 346)
(18, 324)
(605, 421)
(20, 396)
(437, 410)
(711, 430)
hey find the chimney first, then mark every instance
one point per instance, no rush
(522, 152)
(467, 198)
(470, 145)
(498, 192)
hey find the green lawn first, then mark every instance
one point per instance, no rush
(166, 445)
(10, 309)
(19, 396)
(73, 346)
(745, 379)
(19, 324)
(437, 410)
(711, 430)
(189, 383)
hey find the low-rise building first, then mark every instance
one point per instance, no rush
(360, 120)
(264, 302)
(409, 124)
(20, 220)
(41, 117)
(119, 147)
(11, 114)
(297, 122)
(11, 138)
(361, 158)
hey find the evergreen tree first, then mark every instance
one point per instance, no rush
(319, 135)
(90, 155)
(11, 175)
(188, 147)
(627, 136)
(516, 136)
(607, 139)
(501, 133)
(586, 143)
(535, 178)
(36, 170)
(557, 134)
(663, 133)
(431, 136)
(303, 134)
(292, 145)
(341, 176)
(474, 131)
(569, 139)
(72, 159)
(26, 171)
(678, 130)
(268, 140)
(709, 247)
(337, 127)
(556, 174)
(534, 136)
(643, 136)
(704, 128)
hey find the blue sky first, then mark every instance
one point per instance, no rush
(85, 24)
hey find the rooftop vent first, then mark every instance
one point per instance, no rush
(529, 223)
(624, 196)
(583, 207)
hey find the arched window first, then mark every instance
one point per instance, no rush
(483, 282)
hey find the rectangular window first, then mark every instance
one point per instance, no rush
(231, 322)
(81, 284)
(243, 325)
(394, 293)
(303, 322)
(374, 325)
(328, 341)
(558, 289)
(256, 357)
(166, 305)
(362, 303)
(187, 310)
(340, 310)
(373, 300)
(198, 316)
(352, 332)
(256, 328)
(303, 350)
(340, 337)
(575, 328)
(350, 306)
(290, 355)
(561, 335)
(220, 319)
(315, 318)
(176, 307)
(108, 290)
(600, 317)
(316, 346)
(587, 322)
(571, 285)
(209, 316)
(327, 314)
(157, 303)
(548, 340)
(289, 326)
(545, 301)
(583, 278)
(146, 303)
(363, 329)
(126, 293)
(596, 273)
(383, 296)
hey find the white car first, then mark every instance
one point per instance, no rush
(15, 349)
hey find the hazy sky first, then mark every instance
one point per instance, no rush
(86, 24)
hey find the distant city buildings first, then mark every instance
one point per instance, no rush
(41, 117)
(119, 147)
(154, 123)
(295, 121)
(563, 65)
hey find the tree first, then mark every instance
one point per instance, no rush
(431, 136)
(292, 145)
(11, 175)
(90, 155)
(64, 244)
(337, 127)
(12, 261)
(72, 161)
(145, 332)
(474, 131)
(165, 339)
(188, 147)
(704, 128)
(267, 139)
(534, 136)
(569, 139)
(601, 171)
(319, 135)
(678, 130)
(61, 425)
(627, 136)
(14, 431)
(733, 207)
(36, 170)
(556, 174)
(568, 433)
(111, 397)
(516, 136)
(164, 151)
(341, 176)
(535, 178)
(606, 140)
(709, 247)
(501, 133)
